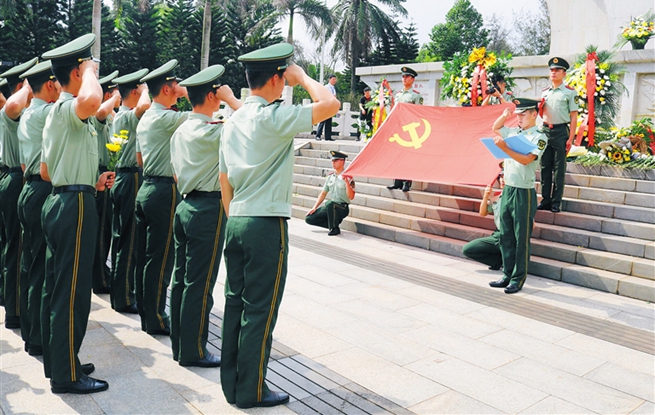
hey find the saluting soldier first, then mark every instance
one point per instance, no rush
(69, 161)
(199, 218)
(46, 91)
(560, 113)
(102, 122)
(340, 191)
(256, 169)
(518, 203)
(157, 198)
(136, 101)
(11, 185)
(409, 96)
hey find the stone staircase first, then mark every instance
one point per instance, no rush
(603, 239)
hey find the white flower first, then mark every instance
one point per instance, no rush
(595, 94)
(608, 83)
(602, 92)
(606, 77)
(117, 140)
(602, 71)
(603, 103)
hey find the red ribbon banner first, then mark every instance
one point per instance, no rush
(479, 77)
(590, 66)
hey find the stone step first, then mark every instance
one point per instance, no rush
(634, 287)
(468, 198)
(610, 183)
(467, 226)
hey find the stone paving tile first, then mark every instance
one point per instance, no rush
(323, 276)
(312, 343)
(622, 356)
(453, 402)
(574, 304)
(382, 297)
(377, 280)
(634, 320)
(25, 390)
(553, 405)
(297, 283)
(461, 347)
(541, 351)
(483, 385)
(628, 381)
(520, 324)
(453, 322)
(382, 318)
(581, 392)
(625, 304)
(210, 400)
(439, 299)
(399, 385)
(647, 408)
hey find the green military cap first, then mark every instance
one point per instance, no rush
(338, 155)
(558, 63)
(106, 81)
(4, 88)
(206, 76)
(166, 71)
(271, 58)
(13, 74)
(406, 70)
(42, 71)
(72, 53)
(132, 79)
(524, 104)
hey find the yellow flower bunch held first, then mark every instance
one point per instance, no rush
(638, 31)
(115, 147)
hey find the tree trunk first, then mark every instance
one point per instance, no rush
(206, 35)
(96, 28)
(354, 61)
(290, 35)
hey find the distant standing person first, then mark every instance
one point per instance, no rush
(327, 124)
(560, 112)
(365, 114)
(409, 96)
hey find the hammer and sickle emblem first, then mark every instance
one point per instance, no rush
(416, 141)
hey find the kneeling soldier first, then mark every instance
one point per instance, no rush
(340, 191)
(199, 226)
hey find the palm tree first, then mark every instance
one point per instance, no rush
(315, 14)
(96, 28)
(206, 34)
(360, 24)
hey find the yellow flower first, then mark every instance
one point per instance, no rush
(124, 132)
(477, 54)
(114, 148)
(490, 60)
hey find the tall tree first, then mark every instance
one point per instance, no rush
(316, 15)
(499, 36)
(360, 24)
(96, 28)
(137, 26)
(206, 33)
(403, 50)
(532, 32)
(176, 29)
(462, 31)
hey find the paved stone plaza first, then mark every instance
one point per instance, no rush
(370, 326)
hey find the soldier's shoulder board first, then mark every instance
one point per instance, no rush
(570, 87)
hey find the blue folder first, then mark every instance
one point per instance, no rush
(518, 143)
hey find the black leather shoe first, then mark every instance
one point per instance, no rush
(129, 309)
(555, 209)
(12, 322)
(103, 290)
(88, 368)
(501, 283)
(495, 267)
(35, 350)
(334, 231)
(512, 289)
(275, 398)
(318, 138)
(82, 386)
(406, 187)
(208, 361)
(544, 206)
(2, 300)
(159, 332)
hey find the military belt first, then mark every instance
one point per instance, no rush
(74, 188)
(198, 193)
(166, 179)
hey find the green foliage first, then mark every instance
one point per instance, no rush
(499, 39)
(405, 49)
(462, 31)
(137, 28)
(532, 32)
(179, 35)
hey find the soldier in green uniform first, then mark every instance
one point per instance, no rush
(102, 122)
(487, 249)
(69, 160)
(409, 96)
(560, 112)
(157, 198)
(256, 169)
(46, 91)
(3, 101)
(340, 191)
(136, 101)
(199, 218)
(519, 202)
(11, 185)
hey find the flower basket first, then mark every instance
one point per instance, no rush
(467, 78)
(638, 43)
(638, 31)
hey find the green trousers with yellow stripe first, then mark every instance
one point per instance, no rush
(10, 187)
(329, 216)
(155, 211)
(70, 226)
(256, 251)
(517, 209)
(199, 231)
